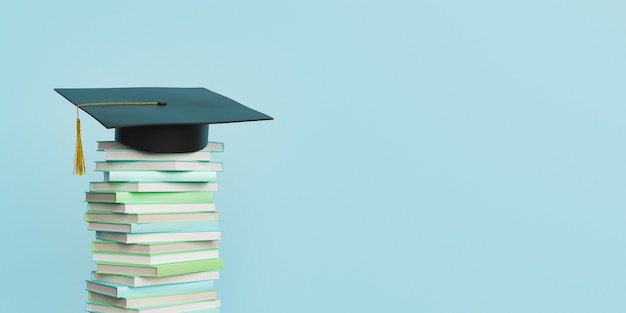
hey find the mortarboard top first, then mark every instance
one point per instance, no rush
(177, 123)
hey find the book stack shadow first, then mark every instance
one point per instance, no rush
(157, 235)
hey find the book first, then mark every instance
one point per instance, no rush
(115, 145)
(158, 166)
(154, 300)
(147, 259)
(165, 227)
(138, 281)
(185, 307)
(148, 197)
(158, 237)
(128, 208)
(151, 186)
(122, 291)
(160, 270)
(107, 217)
(213, 310)
(160, 176)
(136, 155)
(153, 248)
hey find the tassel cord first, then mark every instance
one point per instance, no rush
(79, 158)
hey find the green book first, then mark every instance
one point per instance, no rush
(161, 270)
(149, 197)
(153, 301)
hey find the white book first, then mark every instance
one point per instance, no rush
(185, 307)
(134, 155)
(152, 186)
(153, 248)
(115, 145)
(158, 259)
(158, 237)
(106, 217)
(153, 301)
(157, 166)
(138, 281)
(152, 207)
(165, 227)
(160, 176)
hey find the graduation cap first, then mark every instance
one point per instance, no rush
(160, 120)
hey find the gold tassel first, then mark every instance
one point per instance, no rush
(79, 160)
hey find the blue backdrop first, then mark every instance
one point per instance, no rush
(426, 156)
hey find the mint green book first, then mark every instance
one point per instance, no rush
(147, 302)
(161, 270)
(122, 291)
(148, 197)
(160, 176)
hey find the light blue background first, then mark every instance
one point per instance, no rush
(426, 156)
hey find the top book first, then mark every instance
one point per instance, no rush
(134, 155)
(114, 145)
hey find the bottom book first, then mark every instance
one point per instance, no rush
(195, 307)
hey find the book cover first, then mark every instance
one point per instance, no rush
(160, 270)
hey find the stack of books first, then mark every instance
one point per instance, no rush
(157, 235)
